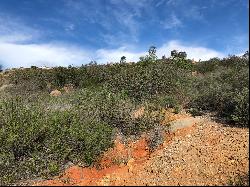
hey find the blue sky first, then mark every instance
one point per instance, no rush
(65, 32)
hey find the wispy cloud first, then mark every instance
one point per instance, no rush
(117, 30)
(173, 2)
(195, 13)
(113, 16)
(135, 7)
(238, 44)
(172, 22)
(14, 30)
(116, 40)
(18, 47)
(159, 3)
(70, 27)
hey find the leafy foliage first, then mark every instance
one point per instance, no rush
(29, 135)
(224, 87)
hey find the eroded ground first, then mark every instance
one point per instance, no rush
(201, 153)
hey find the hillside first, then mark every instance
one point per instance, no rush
(53, 117)
(203, 153)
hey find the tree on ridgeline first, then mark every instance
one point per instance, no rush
(123, 59)
(246, 55)
(176, 54)
(180, 59)
(152, 53)
(151, 57)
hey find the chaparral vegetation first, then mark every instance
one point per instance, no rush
(40, 133)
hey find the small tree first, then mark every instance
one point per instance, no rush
(180, 59)
(182, 55)
(152, 53)
(123, 59)
(92, 63)
(174, 53)
(33, 67)
(1, 68)
(246, 55)
(151, 57)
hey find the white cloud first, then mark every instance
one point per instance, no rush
(193, 52)
(15, 38)
(19, 49)
(114, 55)
(25, 55)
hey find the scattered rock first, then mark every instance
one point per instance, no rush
(138, 113)
(130, 164)
(68, 88)
(182, 123)
(55, 93)
(6, 86)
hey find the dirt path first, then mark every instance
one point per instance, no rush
(200, 153)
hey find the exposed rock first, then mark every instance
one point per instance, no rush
(68, 88)
(5, 86)
(194, 73)
(182, 123)
(138, 113)
(130, 164)
(55, 93)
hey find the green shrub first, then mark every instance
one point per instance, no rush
(240, 113)
(239, 180)
(224, 90)
(38, 143)
(143, 81)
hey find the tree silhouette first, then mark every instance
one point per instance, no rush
(123, 59)
(176, 54)
(246, 55)
(152, 53)
(152, 50)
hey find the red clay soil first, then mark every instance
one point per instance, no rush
(119, 160)
(178, 161)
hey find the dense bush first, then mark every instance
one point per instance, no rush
(143, 81)
(36, 143)
(38, 137)
(224, 88)
(216, 87)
